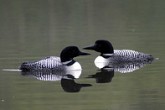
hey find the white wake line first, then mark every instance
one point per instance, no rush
(11, 70)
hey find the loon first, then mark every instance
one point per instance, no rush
(109, 55)
(63, 63)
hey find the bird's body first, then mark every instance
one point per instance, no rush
(125, 55)
(131, 55)
(63, 63)
(52, 62)
(109, 55)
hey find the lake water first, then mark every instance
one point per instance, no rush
(33, 29)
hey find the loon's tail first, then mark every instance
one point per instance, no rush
(151, 58)
(25, 67)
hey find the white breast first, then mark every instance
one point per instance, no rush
(75, 66)
(101, 62)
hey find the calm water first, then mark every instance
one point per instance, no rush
(33, 29)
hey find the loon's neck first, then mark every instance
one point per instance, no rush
(107, 55)
(69, 63)
(72, 65)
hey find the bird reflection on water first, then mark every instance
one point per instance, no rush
(67, 79)
(69, 85)
(107, 70)
(103, 75)
(123, 67)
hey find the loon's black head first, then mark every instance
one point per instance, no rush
(102, 46)
(70, 52)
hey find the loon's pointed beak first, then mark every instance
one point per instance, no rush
(83, 53)
(90, 47)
